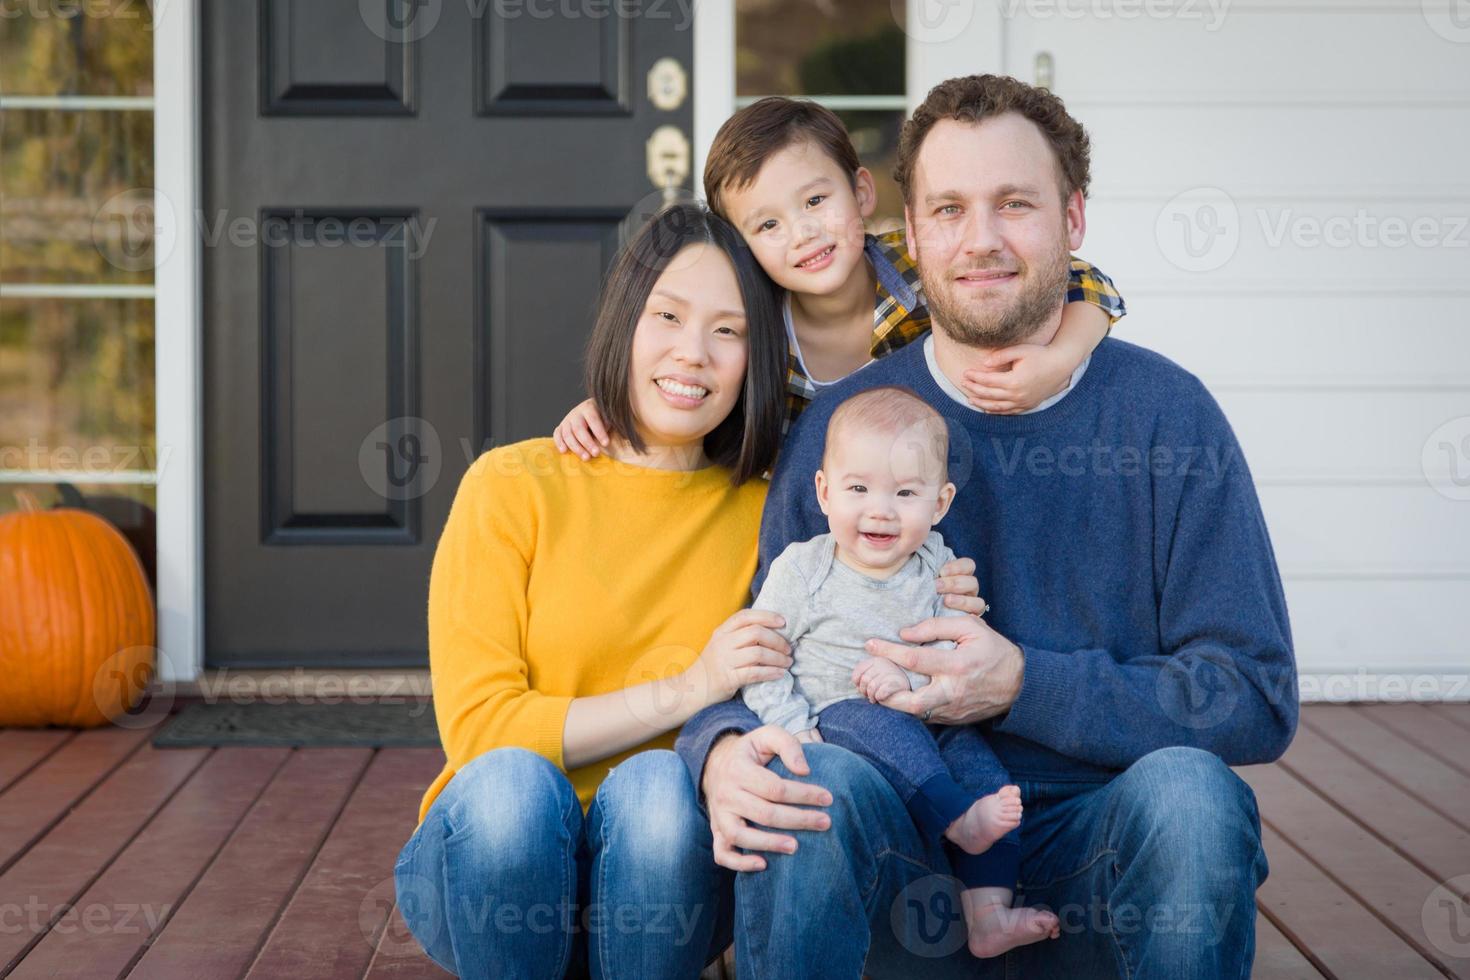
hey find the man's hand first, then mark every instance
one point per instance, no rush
(978, 679)
(878, 680)
(740, 790)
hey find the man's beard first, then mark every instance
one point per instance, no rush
(987, 324)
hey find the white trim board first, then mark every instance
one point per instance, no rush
(714, 78)
(1364, 687)
(177, 323)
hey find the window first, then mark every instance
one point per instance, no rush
(76, 238)
(846, 54)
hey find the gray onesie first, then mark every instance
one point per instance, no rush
(831, 611)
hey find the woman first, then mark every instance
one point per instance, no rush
(580, 611)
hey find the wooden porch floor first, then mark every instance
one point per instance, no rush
(118, 859)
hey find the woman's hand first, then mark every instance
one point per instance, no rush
(960, 588)
(744, 649)
(739, 790)
(581, 432)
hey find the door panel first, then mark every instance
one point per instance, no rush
(408, 209)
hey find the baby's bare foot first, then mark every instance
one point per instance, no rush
(988, 820)
(994, 928)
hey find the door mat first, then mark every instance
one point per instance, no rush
(406, 724)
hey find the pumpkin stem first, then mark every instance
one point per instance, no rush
(27, 501)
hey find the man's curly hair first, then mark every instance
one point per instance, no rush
(976, 97)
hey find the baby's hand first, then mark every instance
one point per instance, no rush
(960, 588)
(878, 679)
(809, 736)
(581, 432)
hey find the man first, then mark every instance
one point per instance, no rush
(1137, 644)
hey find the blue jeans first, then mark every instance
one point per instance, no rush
(938, 772)
(1152, 874)
(506, 878)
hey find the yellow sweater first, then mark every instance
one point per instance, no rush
(558, 578)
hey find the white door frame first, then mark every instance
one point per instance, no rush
(178, 322)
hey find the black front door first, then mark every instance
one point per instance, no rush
(408, 205)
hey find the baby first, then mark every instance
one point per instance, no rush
(883, 486)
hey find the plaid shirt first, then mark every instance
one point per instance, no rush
(900, 314)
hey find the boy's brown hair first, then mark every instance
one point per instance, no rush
(761, 130)
(976, 97)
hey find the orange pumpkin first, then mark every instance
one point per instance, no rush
(76, 619)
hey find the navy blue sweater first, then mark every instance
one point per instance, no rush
(1118, 538)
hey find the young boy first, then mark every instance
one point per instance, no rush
(883, 485)
(785, 174)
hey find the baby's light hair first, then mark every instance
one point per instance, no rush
(896, 410)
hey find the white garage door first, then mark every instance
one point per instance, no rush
(1282, 194)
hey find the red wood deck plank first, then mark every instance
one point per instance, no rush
(216, 931)
(148, 880)
(1316, 914)
(331, 926)
(1398, 760)
(1435, 734)
(1277, 958)
(22, 748)
(1396, 891)
(1457, 712)
(59, 866)
(42, 796)
(399, 957)
(1427, 839)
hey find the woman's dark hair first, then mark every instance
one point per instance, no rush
(747, 439)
